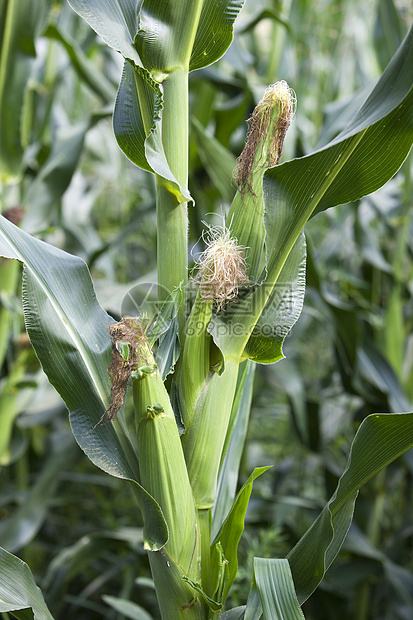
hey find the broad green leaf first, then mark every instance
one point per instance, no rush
(380, 439)
(215, 31)
(233, 447)
(127, 608)
(21, 22)
(127, 117)
(139, 102)
(18, 590)
(276, 589)
(165, 39)
(253, 610)
(166, 34)
(231, 530)
(184, 33)
(115, 21)
(138, 128)
(69, 332)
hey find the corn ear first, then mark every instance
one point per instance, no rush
(195, 361)
(177, 599)
(204, 439)
(267, 128)
(164, 475)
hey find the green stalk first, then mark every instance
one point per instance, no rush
(172, 216)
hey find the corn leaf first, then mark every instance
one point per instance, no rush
(137, 126)
(69, 332)
(137, 119)
(184, 33)
(276, 589)
(282, 309)
(253, 610)
(380, 439)
(18, 591)
(231, 530)
(127, 608)
(163, 36)
(115, 21)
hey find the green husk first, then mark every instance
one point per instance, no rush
(267, 128)
(204, 439)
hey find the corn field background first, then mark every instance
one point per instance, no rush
(349, 355)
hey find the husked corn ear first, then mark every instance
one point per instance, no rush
(164, 475)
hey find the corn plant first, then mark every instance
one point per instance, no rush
(191, 371)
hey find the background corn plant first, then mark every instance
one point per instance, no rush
(364, 372)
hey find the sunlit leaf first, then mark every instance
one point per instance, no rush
(138, 129)
(380, 439)
(18, 590)
(69, 332)
(276, 589)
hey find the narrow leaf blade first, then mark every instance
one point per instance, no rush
(380, 439)
(18, 590)
(276, 589)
